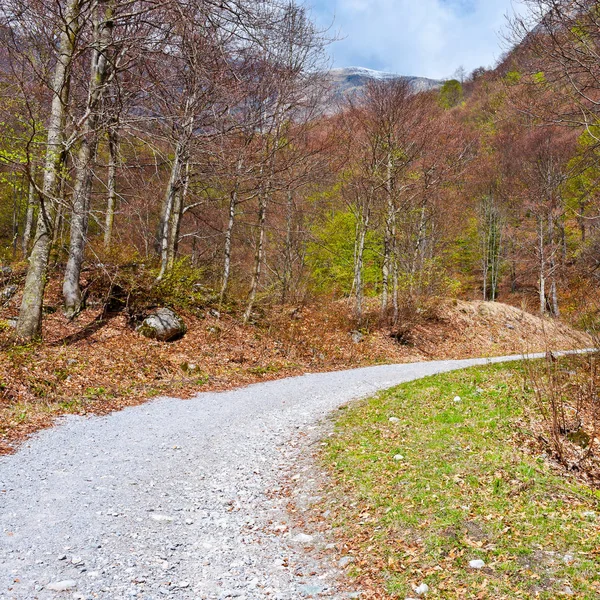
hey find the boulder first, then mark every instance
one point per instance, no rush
(164, 325)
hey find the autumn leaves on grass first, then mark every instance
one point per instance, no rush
(467, 511)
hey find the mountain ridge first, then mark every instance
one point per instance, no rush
(350, 80)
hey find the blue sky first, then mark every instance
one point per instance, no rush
(429, 38)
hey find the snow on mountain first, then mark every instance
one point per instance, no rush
(352, 79)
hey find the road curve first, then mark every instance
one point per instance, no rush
(175, 498)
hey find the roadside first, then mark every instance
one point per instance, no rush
(92, 366)
(442, 485)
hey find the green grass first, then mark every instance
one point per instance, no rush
(466, 489)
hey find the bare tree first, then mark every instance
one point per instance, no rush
(68, 22)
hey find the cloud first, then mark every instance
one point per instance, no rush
(430, 38)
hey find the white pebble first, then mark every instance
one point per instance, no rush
(457, 399)
(398, 457)
(422, 589)
(62, 586)
(477, 564)
(161, 518)
(394, 420)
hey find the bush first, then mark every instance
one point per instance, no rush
(567, 393)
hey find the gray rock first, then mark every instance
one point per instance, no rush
(345, 561)
(5, 271)
(8, 292)
(303, 538)
(62, 586)
(357, 337)
(163, 325)
(476, 564)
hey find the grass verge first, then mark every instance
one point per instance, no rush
(448, 481)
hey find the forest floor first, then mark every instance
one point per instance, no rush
(94, 366)
(431, 476)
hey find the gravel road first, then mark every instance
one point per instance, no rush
(177, 498)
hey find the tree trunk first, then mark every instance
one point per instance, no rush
(176, 215)
(358, 265)
(171, 199)
(30, 316)
(233, 200)
(542, 285)
(258, 257)
(29, 219)
(86, 157)
(388, 240)
(113, 153)
(287, 258)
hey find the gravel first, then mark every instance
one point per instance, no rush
(177, 498)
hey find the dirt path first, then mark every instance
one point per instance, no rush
(175, 498)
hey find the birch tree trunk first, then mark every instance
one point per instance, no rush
(388, 239)
(287, 258)
(29, 219)
(258, 257)
(173, 190)
(542, 256)
(176, 216)
(30, 316)
(233, 201)
(113, 153)
(358, 264)
(86, 156)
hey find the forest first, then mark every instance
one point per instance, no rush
(167, 136)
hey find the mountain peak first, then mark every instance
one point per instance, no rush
(353, 79)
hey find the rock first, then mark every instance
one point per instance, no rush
(476, 564)
(190, 368)
(161, 518)
(357, 337)
(311, 590)
(345, 561)
(164, 325)
(303, 538)
(12, 322)
(422, 589)
(567, 591)
(457, 399)
(62, 586)
(5, 271)
(215, 313)
(394, 420)
(398, 457)
(8, 292)
(568, 559)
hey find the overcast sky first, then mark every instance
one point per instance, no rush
(429, 38)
